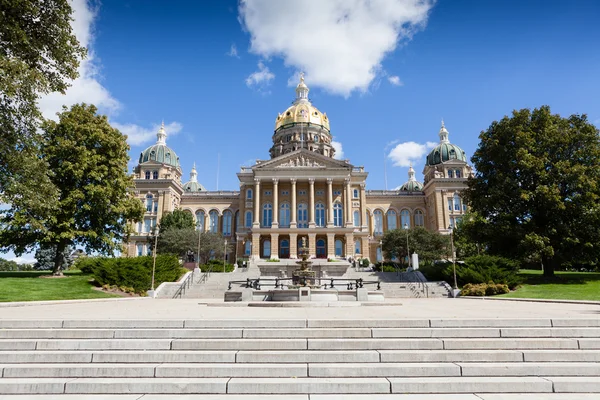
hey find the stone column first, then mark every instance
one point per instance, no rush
(363, 207)
(294, 207)
(275, 223)
(329, 203)
(364, 248)
(348, 210)
(311, 203)
(293, 245)
(312, 244)
(256, 223)
(350, 245)
(331, 245)
(274, 245)
(256, 246)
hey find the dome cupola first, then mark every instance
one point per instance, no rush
(160, 152)
(412, 185)
(445, 150)
(192, 185)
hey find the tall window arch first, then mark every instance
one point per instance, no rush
(457, 173)
(267, 248)
(148, 203)
(357, 247)
(213, 222)
(147, 174)
(284, 215)
(248, 247)
(320, 214)
(267, 216)
(419, 218)
(339, 248)
(248, 194)
(200, 220)
(227, 217)
(338, 214)
(392, 221)
(302, 215)
(405, 218)
(154, 174)
(248, 223)
(356, 218)
(378, 222)
(456, 202)
(140, 249)
(355, 194)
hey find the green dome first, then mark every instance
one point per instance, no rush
(445, 150)
(160, 152)
(193, 185)
(412, 186)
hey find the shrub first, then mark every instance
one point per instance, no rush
(273, 260)
(484, 289)
(365, 262)
(217, 266)
(386, 266)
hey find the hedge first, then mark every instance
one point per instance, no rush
(132, 272)
(484, 289)
(217, 266)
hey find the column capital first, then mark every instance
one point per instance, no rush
(293, 180)
(257, 181)
(329, 181)
(275, 180)
(363, 185)
(347, 181)
(311, 181)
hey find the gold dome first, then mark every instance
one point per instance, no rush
(302, 111)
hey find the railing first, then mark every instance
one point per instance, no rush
(204, 277)
(184, 285)
(277, 283)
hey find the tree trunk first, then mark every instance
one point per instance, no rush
(59, 258)
(548, 265)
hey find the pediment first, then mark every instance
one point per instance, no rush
(302, 159)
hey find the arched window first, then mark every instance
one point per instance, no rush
(302, 215)
(227, 216)
(456, 202)
(378, 222)
(457, 173)
(338, 214)
(320, 214)
(248, 219)
(168, 158)
(140, 249)
(200, 220)
(321, 249)
(452, 154)
(284, 215)
(267, 216)
(248, 247)
(405, 217)
(450, 173)
(147, 174)
(267, 248)
(355, 194)
(392, 220)
(284, 248)
(213, 222)
(154, 174)
(149, 203)
(357, 247)
(153, 155)
(356, 218)
(339, 247)
(248, 194)
(419, 218)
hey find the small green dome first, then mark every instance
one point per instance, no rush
(160, 152)
(445, 150)
(193, 185)
(412, 185)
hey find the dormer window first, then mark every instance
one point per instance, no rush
(147, 174)
(452, 154)
(153, 155)
(450, 174)
(457, 173)
(154, 174)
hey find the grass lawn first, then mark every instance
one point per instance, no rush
(564, 285)
(28, 286)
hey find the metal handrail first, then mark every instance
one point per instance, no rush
(184, 285)
(277, 283)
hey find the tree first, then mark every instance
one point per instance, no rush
(430, 246)
(45, 256)
(177, 219)
(87, 161)
(181, 241)
(39, 54)
(537, 187)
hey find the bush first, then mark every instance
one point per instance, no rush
(132, 272)
(273, 260)
(484, 289)
(365, 262)
(217, 266)
(387, 266)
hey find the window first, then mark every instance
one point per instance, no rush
(452, 154)
(200, 221)
(405, 218)
(355, 194)
(338, 215)
(149, 250)
(378, 222)
(303, 137)
(450, 174)
(267, 248)
(320, 192)
(227, 217)
(168, 158)
(154, 174)
(153, 155)
(248, 194)
(268, 192)
(155, 206)
(213, 221)
(147, 225)
(147, 174)
(149, 203)
(320, 214)
(140, 227)
(285, 192)
(457, 173)
(339, 247)
(247, 247)
(357, 246)
(302, 215)
(337, 192)
(284, 215)
(392, 221)
(419, 218)
(356, 218)
(288, 138)
(302, 192)
(456, 202)
(248, 219)
(140, 249)
(464, 206)
(267, 216)
(449, 203)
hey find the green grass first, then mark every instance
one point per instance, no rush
(564, 285)
(28, 286)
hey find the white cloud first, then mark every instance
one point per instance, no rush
(340, 44)
(260, 78)
(137, 134)
(26, 259)
(395, 80)
(233, 51)
(339, 151)
(87, 88)
(403, 154)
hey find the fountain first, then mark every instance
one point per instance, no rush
(305, 276)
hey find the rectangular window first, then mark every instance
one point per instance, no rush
(249, 194)
(457, 204)
(285, 192)
(337, 192)
(464, 206)
(147, 225)
(450, 174)
(302, 192)
(320, 192)
(355, 194)
(450, 204)
(156, 206)
(268, 192)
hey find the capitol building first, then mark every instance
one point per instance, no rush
(301, 192)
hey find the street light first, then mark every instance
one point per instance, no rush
(381, 250)
(224, 255)
(407, 250)
(451, 228)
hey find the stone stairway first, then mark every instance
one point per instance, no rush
(402, 285)
(472, 359)
(217, 283)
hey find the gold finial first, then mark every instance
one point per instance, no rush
(302, 77)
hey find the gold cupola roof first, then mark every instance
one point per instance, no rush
(301, 111)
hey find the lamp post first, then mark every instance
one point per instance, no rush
(451, 228)
(407, 249)
(381, 250)
(198, 252)
(154, 259)
(224, 255)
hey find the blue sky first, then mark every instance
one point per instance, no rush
(385, 72)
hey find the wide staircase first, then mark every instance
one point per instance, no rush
(305, 357)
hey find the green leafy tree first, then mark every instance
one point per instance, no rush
(177, 219)
(183, 241)
(430, 246)
(87, 161)
(39, 54)
(537, 188)
(8, 265)
(45, 256)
